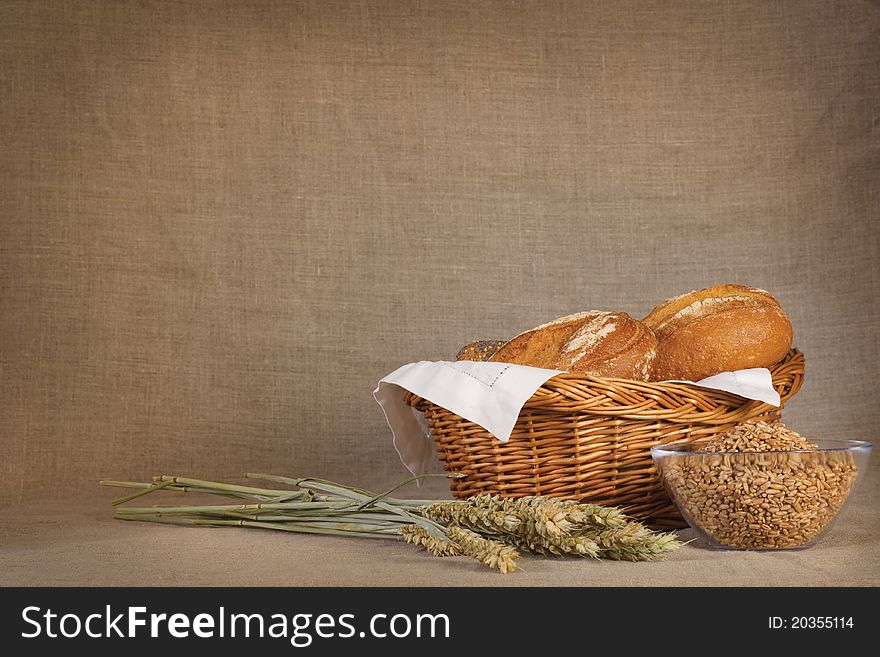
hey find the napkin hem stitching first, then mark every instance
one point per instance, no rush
(480, 381)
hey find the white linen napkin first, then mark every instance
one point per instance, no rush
(492, 395)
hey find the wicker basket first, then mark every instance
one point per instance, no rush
(589, 438)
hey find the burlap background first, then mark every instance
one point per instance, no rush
(222, 222)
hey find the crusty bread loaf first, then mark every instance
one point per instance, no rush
(598, 343)
(480, 350)
(719, 329)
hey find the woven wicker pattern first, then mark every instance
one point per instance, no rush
(589, 438)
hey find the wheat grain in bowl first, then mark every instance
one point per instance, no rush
(761, 486)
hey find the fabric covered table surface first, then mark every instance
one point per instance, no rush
(62, 544)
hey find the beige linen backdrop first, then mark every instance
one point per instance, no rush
(222, 222)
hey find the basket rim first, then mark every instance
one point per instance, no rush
(570, 393)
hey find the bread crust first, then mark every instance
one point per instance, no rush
(608, 344)
(719, 329)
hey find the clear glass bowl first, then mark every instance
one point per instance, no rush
(761, 500)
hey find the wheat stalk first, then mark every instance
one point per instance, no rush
(486, 528)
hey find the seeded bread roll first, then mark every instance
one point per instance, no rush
(719, 329)
(598, 343)
(480, 350)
